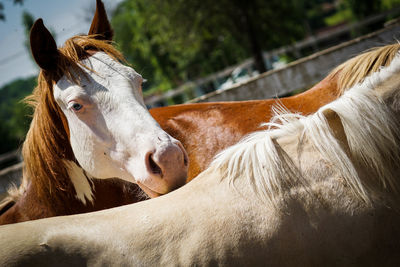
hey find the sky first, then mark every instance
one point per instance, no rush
(65, 18)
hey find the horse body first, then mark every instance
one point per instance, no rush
(193, 230)
(305, 193)
(205, 129)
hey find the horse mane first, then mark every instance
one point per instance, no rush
(47, 146)
(372, 135)
(356, 69)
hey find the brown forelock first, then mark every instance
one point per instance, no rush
(354, 70)
(47, 141)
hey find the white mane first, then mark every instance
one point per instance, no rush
(372, 136)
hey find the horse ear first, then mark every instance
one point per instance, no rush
(100, 24)
(43, 46)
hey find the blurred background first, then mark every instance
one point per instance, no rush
(184, 48)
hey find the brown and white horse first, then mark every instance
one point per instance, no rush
(321, 190)
(90, 122)
(204, 130)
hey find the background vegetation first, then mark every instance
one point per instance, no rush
(173, 41)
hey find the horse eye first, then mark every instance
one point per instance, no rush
(77, 106)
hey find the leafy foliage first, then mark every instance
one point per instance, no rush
(360, 9)
(174, 41)
(14, 114)
(363, 8)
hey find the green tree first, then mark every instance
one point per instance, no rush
(172, 41)
(363, 8)
(135, 40)
(14, 114)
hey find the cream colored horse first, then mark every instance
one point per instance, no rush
(314, 191)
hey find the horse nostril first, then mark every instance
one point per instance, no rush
(154, 168)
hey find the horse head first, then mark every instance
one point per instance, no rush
(110, 131)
